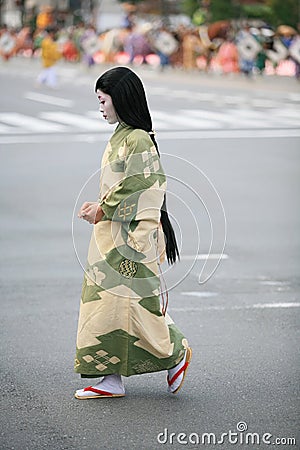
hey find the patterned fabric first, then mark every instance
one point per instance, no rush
(121, 327)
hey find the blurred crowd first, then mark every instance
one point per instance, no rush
(222, 47)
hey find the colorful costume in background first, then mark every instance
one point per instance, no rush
(50, 56)
(121, 327)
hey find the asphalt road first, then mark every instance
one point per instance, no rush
(229, 146)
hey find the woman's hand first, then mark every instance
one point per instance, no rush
(91, 212)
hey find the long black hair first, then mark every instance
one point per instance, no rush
(129, 99)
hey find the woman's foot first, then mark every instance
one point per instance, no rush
(109, 386)
(176, 375)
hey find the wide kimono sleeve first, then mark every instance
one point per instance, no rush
(139, 194)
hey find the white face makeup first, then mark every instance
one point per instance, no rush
(107, 108)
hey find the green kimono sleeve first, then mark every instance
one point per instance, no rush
(143, 178)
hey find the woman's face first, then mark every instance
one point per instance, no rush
(107, 108)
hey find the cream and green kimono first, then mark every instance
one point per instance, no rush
(121, 327)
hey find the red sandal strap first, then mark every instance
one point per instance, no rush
(177, 374)
(96, 391)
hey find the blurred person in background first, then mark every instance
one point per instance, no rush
(176, 59)
(50, 55)
(45, 18)
(112, 42)
(77, 33)
(38, 38)
(261, 57)
(295, 52)
(228, 56)
(191, 48)
(165, 45)
(8, 42)
(248, 48)
(24, 42)
(69, 49)
(31, 19)
(90, 44)
(137, 43)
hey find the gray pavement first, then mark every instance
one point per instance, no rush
(243, 323)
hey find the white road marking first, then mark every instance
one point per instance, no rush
(204, 96)
(204, 256)
(95, 115)
(263, 103)
(199, 294)
(182, 120)
(272, 119)
(206, 114)
(237, 308)
(274, 283)
(197, 123)
(29, 122)
(75, 120)
(293, 113)
(234, 99)
(180, 94)
(276, 305)
(234, 121)
(161, 125)
(158, 91)
(5, 130)
(43, 98)
(294, 97)
(223, 98)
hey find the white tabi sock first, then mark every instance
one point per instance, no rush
(109, 383)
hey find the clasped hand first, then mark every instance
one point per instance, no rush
(91, 212)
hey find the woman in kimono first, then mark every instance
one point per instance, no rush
(123, 329)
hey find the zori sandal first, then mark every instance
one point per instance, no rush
(177, 375)
(91, 392)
